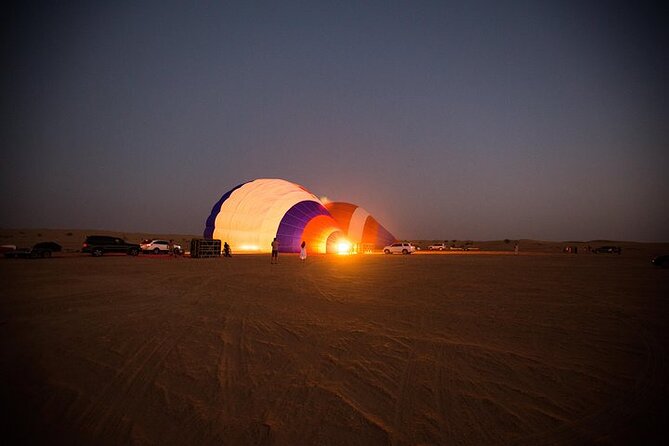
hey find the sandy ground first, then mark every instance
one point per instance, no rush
(348, 350)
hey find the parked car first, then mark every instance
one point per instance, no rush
(608, 250)
(155, 246)
(98, 245)
(160, 247)
(399, 248)
(662, 261)
(437, 247)
(42, 249)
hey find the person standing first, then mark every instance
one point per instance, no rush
(275, 251)
(303, 251)
(226, 250)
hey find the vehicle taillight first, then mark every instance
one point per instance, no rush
(85, 245)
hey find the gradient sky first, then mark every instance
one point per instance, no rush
(446, 120)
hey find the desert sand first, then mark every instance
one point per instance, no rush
(458, 349)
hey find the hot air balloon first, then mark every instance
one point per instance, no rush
(252, 214)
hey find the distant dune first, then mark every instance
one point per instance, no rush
(72, 239)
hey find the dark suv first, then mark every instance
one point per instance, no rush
(100, 244)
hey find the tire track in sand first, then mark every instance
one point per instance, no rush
(234, 380)
(135, 378)
(107, 414)
(613, 417)
(403, 401)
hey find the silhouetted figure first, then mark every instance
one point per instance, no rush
(275, 251)
(303, 251)
(226, 250)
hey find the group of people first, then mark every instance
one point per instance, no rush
(275, 251)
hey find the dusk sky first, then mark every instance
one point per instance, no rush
(445, 120)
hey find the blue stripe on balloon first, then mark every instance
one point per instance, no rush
(210, 225)
(291, 227)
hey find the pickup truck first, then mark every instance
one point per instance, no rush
(437, 247)
(40, 250)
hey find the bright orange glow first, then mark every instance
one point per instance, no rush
(317, 231)
(343, 247)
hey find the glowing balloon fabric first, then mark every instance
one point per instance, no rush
(359, 225)
(293, 227)
(251, 214)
